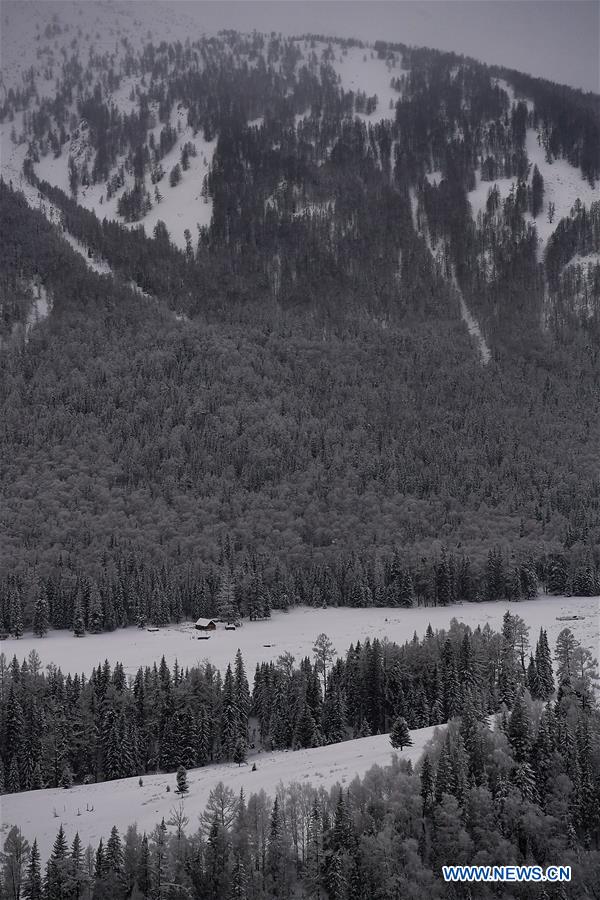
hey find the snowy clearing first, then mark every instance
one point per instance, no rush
(124, 802)
(563, 186)
(295, 632)
(360, 69)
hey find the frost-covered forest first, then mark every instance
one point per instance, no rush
(364, 372)
(292, 324)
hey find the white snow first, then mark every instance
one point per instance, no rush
(478, 196)
(369, 75)
(124, 802)
(434, 177)
(40, 308)
(563, 185)
(295, 632)
(472, 324)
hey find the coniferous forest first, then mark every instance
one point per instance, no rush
(293, 400)
(270, 337)
(520, 787)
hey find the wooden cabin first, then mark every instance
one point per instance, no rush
(206, 625)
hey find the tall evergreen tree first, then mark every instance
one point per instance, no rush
(40, 617)
(400, 735)
(32, 885)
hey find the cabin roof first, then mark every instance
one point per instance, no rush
(205, 622)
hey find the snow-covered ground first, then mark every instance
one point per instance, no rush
(295, 632)
(360, 69)
(472, 324)
(563, 185)
(93, 809)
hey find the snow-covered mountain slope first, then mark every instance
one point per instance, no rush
(563, 186)
(361, 70)
(37, 33)
(295, 632)
(50, 33)
(93, 809)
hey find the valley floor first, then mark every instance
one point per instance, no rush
(295, 632)
(93, 809)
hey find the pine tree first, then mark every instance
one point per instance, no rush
(442, 581)
(427, 785)
(182, 784)
(16, 615)
(305, 731)
(276, 866)
(543, 664)
(400, 735)
(32, 886)
(40, 617)
(143, 873)
(113, 857)
(537, 192)
(78, 878)
(565, 647)
(225, 604)
(14, 780)
(445, 782)
(495, 577)
(95, 614)
(241, 695)
(519, 730)
(78, 620)
(57, 874)
(240, 751)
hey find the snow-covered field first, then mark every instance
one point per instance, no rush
(295, 632)
(93, 809)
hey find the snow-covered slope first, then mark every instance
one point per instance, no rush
(295, 632)
(93, 809)
(360, 69)
(563, 186)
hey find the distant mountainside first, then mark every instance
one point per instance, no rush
(295, 317)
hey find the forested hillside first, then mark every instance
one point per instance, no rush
(287, 400)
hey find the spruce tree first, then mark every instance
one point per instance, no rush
(240, 751)
(182, 784)
(57, 874)
(537, 192)
(305, 731)
(400, 735)
(241, 694)
(519, 730)
(32, 886)
(66, 778)
(445, 782)
(78, 620)
(95, 613)
(566, 644)
(14, 779)
(40, 617)
(427, 785)
(16, 614)
(543, 664)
